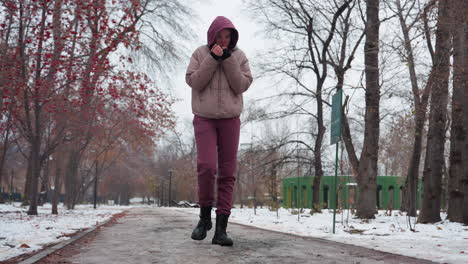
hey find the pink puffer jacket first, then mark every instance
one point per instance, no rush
(217, 85)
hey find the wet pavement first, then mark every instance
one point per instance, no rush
(158, 235)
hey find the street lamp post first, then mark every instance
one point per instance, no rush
(95, 185)
(170, 188)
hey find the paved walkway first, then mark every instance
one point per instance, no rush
(148, 235)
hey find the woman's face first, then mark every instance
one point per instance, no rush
(223, 38)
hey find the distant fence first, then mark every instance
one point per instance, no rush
(297, 192)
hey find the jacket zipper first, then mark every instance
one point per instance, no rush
(219, 91)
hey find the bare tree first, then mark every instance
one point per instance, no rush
(312, 26)
(434, 162)
(366, 166)
(409, 15)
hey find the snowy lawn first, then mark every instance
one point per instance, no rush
(21, 233)
(444, 242)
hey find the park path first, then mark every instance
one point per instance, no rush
(158, 235)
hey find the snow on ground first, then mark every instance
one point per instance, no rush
(21, 233)
(444, 242)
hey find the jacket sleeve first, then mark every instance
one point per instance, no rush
(199, 72)
(238, 73)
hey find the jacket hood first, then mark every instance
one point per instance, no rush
(218, 24)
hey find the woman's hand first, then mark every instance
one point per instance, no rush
(217, 50)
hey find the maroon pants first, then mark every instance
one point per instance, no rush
(217, 141)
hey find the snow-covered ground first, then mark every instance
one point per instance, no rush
(20, 233)
(444, 242)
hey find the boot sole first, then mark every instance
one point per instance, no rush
(214, 242)
(198, 238)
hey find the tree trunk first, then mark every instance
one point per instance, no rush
(57, 187)
(5, 148)
(35, 173)
(35, 125)
(457, 133)
(71, 179)
(11, 184)
(318, 154)
(347, 140)
(367, 173)
(465, 178)
(409, 202)
(2, 159)
(411, 186)
(274, 191)
(434, 162)
(420, 102)
(45, 185)
(462, 45)
(27, 183)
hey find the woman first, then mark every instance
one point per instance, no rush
(218, 74)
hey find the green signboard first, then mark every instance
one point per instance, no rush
(335, 139)
(336, 117)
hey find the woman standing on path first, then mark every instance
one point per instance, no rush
(218, 74)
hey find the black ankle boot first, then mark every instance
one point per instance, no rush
(220, 236)
(199, 233)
